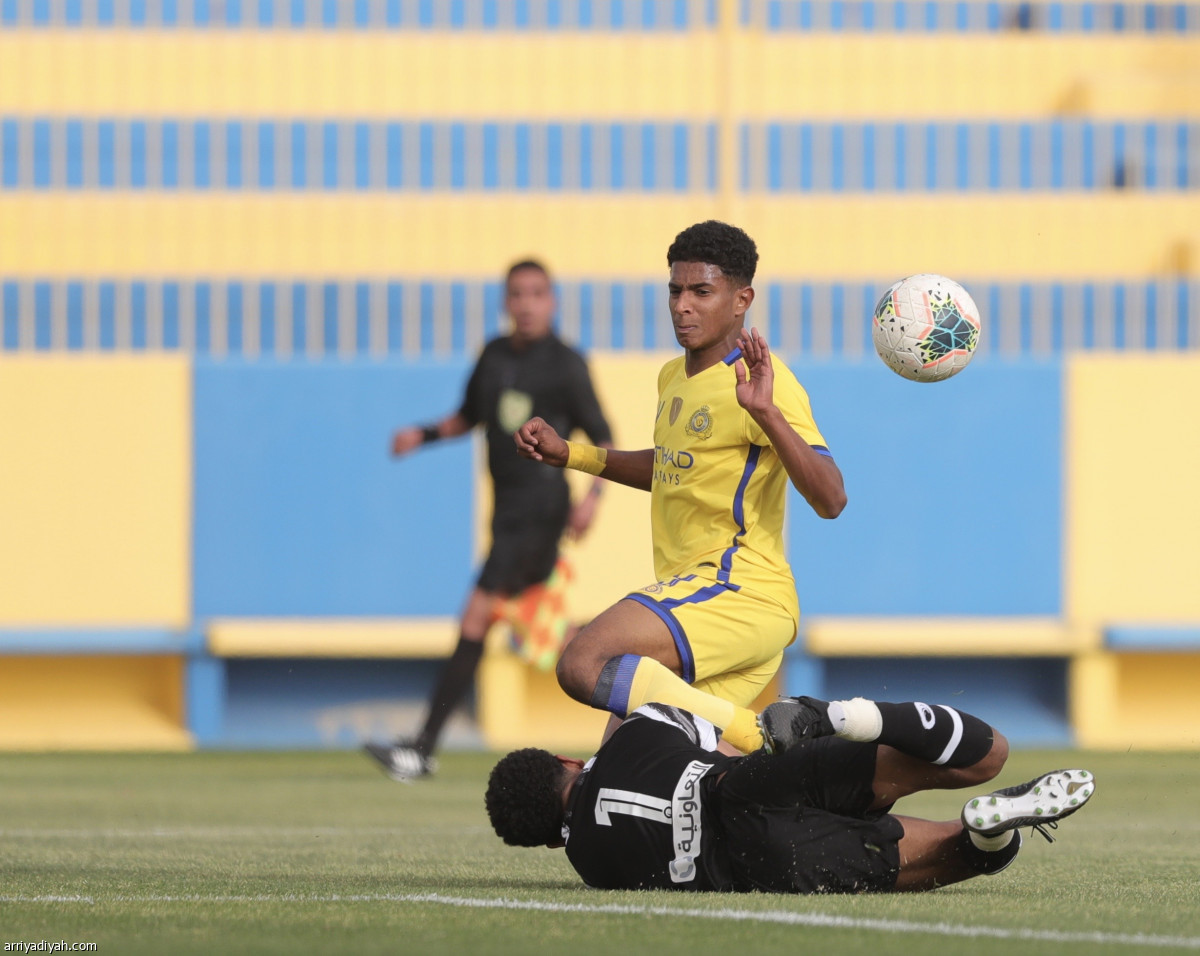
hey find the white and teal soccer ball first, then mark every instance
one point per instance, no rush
(926, 328)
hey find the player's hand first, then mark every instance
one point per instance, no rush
(405, 440)
(583, 512)
(538, 441)
(755, 374)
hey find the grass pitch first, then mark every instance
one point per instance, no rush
(320, 853)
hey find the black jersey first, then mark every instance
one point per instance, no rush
(510, 385)
(657, 808)
(640, 815)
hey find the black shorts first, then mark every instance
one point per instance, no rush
(800, 823)
(524, 549)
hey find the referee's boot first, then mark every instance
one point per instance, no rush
(788, 721)
(401, 761)
(1040, 804)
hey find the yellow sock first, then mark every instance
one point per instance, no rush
(654, 683)
(743, 730)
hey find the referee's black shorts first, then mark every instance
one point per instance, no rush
(524, 545)
(800, 823)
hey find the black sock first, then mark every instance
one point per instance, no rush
(451, 687)
(988, 861)
(939, 734)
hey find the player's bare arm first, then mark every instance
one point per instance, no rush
(538, 441)
(816, 476)
(409, 439)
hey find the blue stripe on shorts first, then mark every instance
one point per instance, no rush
(676, 629)
(663, 610)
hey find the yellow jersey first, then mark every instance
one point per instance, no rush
(719, 489)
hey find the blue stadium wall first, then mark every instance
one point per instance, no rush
(222, 553)
(299, 510)
(955, 490)
(295, 511)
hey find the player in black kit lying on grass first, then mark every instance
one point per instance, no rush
(658, 808)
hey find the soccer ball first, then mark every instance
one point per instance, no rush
(926, 328)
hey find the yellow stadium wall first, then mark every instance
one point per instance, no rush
(118, 235)
(279, 73)
(627, 388)
(1133, 514)
(95, 516)
(93, 703)
(1136, 700)
(1132, 548)
(595, 77)
(95, 537)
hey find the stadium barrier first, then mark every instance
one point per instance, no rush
(451, 319)
(956, 16)
(102, 688)
(1011, 669)
(192, 236)
(1139, 687)
(383, 76)
(221, 554)
(220, 688)
(325, 155)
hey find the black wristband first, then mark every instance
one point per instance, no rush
(429, 433)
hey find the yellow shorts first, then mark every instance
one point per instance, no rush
(730, 640)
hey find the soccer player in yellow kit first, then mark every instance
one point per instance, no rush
(732, 428)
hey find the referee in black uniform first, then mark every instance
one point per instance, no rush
(659, 808)
(526, 373)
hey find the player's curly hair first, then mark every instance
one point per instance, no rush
(720, 244)
(524, 798)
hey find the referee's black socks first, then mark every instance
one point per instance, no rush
(940, 734)
(456, 678)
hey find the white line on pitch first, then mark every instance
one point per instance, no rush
(36, 833)
(618, 909)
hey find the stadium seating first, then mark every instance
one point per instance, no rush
(436, 320)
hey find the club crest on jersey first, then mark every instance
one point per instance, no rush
(700, 425)
(676, 408)
(513, 409)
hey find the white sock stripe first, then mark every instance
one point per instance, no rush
(990, 844)
(955, 737)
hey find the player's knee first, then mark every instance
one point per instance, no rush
(993, 761)
(581, 662)
(477, 616)
(574, 676)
